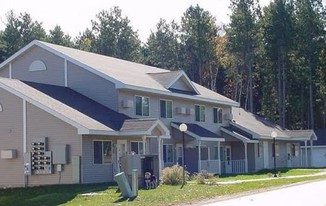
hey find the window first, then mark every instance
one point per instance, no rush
(166, 108)
(218, 115)
(102, 152)
(200, 113)
(293, 149)
(168, 153)
(142, 106)
(137, 147)
(277, 149)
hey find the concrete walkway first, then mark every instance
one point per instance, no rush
(269, 178)
(311, 193)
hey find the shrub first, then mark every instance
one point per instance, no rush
(173, 175)
(204, 177)
(199, 178)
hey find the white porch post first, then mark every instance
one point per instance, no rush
(160, 156)
(306, 153)
(311, 148)
(144, 144)
(246, 157)
(199, 156)
(208, 153)
(219, 157)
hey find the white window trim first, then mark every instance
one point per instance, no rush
(200, 105)
(166, 152)
(219, 121)
(101, 140)
(142, 112)
(137, 145)
(166, 100)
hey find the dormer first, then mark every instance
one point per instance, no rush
(176, 81)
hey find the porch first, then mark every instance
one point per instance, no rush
(238, 153)
(200, 152)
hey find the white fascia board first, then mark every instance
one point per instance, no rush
(254, 134)
(159, 123)
(212, 139)
(183, 96)
(198, 137)
(17, 54)
(86, 67)
(183, 74)
(241, 138)
(64, 57)
(81, 129)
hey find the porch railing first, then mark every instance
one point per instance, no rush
(211, 166)
(234, 166)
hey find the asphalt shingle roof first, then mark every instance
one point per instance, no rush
(130, 73)
(199, 131)
(264, 127)
(82, 104)
(67, 103)
(138, 124)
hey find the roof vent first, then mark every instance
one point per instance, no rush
(37, 65)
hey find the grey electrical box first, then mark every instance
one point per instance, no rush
(130, 162)
(27, 164)
(60, 154)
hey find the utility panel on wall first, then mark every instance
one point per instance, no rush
(60, 154)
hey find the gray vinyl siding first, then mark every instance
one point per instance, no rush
(176, 102)
(42, 124)
(237, 151)
(54, 73)
(4, 72)
(94, 173)
(259, 161)
(11, 137)
(92, 86)
(251, 157)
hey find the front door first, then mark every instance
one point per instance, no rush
(228, 162)
(121, 151)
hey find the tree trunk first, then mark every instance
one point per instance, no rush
(283, 95)
(279, 82)
(311, 106)
(251, 109)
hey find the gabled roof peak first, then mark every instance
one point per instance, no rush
(175, 80)
(129, 75)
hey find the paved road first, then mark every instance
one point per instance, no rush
(307, 194)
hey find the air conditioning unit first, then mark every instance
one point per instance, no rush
(190, 111)
(126, 103)
(228, 116)
(181, 110)
(8, 154)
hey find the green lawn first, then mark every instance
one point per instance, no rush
(266, 173)
(107, 194)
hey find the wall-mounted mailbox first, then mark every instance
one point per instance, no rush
(8, 154)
